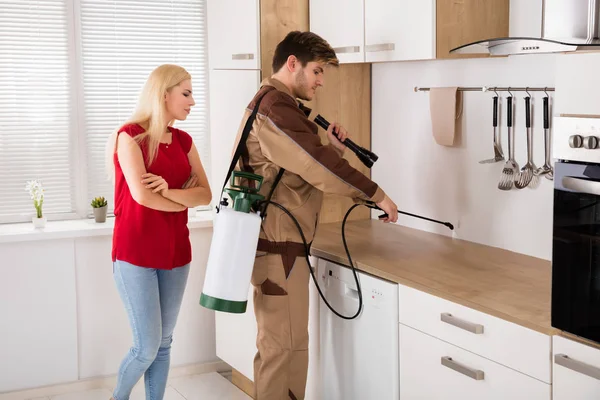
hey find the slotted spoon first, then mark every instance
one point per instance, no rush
(524, 177)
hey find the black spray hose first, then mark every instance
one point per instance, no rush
(307, 250)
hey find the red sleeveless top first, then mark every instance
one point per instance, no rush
(143, 236)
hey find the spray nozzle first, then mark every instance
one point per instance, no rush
(244, 196)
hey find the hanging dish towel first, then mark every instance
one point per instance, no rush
(445, 106)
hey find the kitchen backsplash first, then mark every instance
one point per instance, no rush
(448, 183)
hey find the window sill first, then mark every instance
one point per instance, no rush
(23, 232)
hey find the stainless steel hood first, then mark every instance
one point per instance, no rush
(568, 26)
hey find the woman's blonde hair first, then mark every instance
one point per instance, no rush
(151, 111)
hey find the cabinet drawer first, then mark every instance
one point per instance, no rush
(515, 346)
(435, 370)
(576, 370)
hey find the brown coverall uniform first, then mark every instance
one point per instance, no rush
(282, 136)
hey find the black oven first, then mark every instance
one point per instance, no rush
(576, 249)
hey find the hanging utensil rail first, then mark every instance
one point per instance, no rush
(494, 89)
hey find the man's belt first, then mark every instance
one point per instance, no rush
(290, 249)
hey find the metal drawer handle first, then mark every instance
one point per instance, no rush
(476, 374)
(577, 366)
(246, 56)
(459, 323)
(380, 47)
(347, 49)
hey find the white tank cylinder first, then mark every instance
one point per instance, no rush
(230, 261)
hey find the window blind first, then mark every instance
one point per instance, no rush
(121, 43)
(35, 107)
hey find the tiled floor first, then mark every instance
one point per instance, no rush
(211, 386)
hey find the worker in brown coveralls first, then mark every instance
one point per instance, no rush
(282, 136)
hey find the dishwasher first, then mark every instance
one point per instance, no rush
(359, 357)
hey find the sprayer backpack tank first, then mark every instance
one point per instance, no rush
(233, 248)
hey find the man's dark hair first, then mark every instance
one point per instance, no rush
(307, 47)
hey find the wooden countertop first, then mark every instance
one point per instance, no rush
(498, 282)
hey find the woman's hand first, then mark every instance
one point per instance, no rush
(192, 182)
(156, 183)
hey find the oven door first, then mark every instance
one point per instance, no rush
(576, 249)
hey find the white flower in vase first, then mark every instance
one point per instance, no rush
(36, 191)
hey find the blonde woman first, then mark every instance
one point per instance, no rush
(158, 176)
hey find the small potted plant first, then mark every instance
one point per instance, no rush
(100, 206)
(36, 191)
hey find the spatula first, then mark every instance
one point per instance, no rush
(498, 155)
(525, 176)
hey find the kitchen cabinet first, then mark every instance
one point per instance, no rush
(341, 23)
(576, 372)
(375, 30)
(230, 93)
(403, 30)
(104, 334)
(233, 34)
(433, 369)
(236, 338)
(480, 333)
(398, 30)
(38, 305)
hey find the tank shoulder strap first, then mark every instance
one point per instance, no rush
(241, 147)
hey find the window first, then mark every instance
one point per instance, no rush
(121, 43)
(93, 62)
(35, 107)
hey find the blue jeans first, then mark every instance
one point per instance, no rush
(152, 298)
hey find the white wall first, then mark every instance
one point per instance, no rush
(449, 183)
(63, 319)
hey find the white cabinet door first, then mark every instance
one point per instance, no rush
(480, 333)
(397, 30)
(230, 93)
(576, 370)
(233, 34)
(525, 19)
(38, 307)
(104, 332)
(431, 369)
(342, 24)
(236, 338)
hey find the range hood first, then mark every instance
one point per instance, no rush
(568, 26)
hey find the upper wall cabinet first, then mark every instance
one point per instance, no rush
(397, 30)
(233, 34)
(403, 30)
(341, 23)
